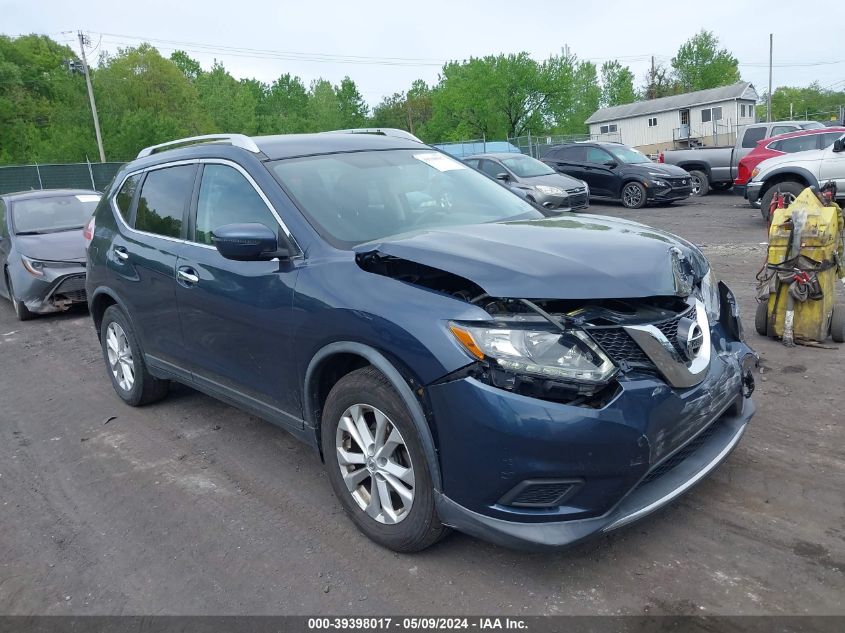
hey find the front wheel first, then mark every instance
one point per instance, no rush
(700, 183)
(761, 318)
(789, 190)
(21, 311)
(837, 324)
(633, 195)
(376, 463)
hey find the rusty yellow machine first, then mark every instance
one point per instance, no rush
(797, 285)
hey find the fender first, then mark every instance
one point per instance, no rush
(103, 290)
(377, 360)
(789, 170)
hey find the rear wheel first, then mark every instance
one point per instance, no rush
(761, 318)
(633, 195)
(837, 324)
(376, 463)
(700, 183)
(125, 361)
(790, 191)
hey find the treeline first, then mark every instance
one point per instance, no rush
(144, 98)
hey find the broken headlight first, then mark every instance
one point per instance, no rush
(710, 296)
(555, 355)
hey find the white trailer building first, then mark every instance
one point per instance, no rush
(693, 119)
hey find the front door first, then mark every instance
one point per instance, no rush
(237, 315)
(599, 172)
(684, 131)
(833, 168)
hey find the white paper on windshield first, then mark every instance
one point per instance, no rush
(88, 198)
(439, 161)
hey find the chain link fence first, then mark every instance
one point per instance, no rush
(537, 145)
(66, 176)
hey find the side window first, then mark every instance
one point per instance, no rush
(226, 197)
(491, 168)
(573, 153)
(473, 162)
(597, 155)
(124, 197)
(3, 230)
(752, 135)
(782, 129)
(798, 144)
(826, 140)
(164, 195)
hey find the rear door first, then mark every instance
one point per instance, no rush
(237, 315)
(5, 245)
(142, 256)
(568, 160)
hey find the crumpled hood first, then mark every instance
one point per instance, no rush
(568, 257)
(64, 246)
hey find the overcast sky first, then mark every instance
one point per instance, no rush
(385, 44)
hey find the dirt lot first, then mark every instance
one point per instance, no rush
(192, 507)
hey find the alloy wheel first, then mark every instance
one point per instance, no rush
(695, 181)
(120, 356)
(632, 196)
(375, 463)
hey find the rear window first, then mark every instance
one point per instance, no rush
(164, 196)
(124, 197)
(752, 135)
(53, 214)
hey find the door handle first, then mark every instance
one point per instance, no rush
(188, 275)
(120, 253)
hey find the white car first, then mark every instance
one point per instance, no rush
(792, 173)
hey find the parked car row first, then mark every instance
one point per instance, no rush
(458, 356)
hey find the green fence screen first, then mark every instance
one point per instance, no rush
(67, 176)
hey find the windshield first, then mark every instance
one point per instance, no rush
(53, 214)
(358, 197)
(629, 155)
(527, 167)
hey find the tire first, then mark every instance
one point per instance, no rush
(837, 324)
(700, 183)
(789, 188)
(367, 396)
(633, 195)
(21, 311)
(143, 388)
(761, 318)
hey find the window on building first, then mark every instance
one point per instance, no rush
(652, 122)
(705, 115)
(604, 129)
(164, 196)
(717, 114)
(612, 127)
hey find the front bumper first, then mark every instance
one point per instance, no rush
(57, 290)
(753, 191)
(553, 202)
(667, 194)
(496, 440)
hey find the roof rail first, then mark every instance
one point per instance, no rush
(238, 140)
(383, 131)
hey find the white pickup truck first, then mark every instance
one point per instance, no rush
(716, 167)
(792, 173)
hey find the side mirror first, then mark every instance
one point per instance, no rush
(248, 242)
(611, 164)
(503, 176)
(838, 145)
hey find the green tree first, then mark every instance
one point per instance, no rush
(323, 107)
(351, 105)
(617, 84)
(659, 83)
(284, 107)
(572, 93)
(700, 64)
(230, 104)
(188, 65)
(144, 99)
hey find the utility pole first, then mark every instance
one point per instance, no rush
(769, 100)
(651, 87)
(91, 98)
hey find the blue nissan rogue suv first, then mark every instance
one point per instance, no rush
(457, 357)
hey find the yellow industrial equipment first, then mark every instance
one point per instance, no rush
(797, 289)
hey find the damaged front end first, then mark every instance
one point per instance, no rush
(575, 351)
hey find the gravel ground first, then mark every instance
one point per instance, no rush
(192, 507)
